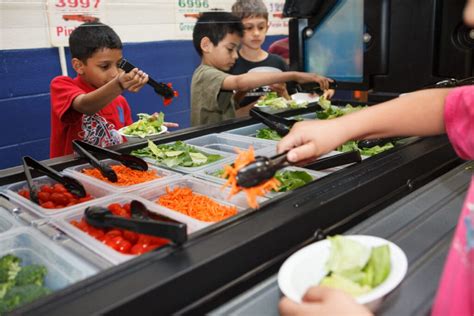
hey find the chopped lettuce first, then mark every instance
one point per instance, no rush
(353, 145)
(268, 133)
(355, 268)
(176, 154)
(146, 125)
(331, 111)
(292, 179)
(273, 101)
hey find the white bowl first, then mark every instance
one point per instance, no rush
(164, 129)
(306, 268)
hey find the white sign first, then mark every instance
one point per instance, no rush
(187, 12)
(65, 15)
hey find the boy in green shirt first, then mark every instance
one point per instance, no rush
(217, 37)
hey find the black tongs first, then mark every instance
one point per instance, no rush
(280, 124)
(161, 88)
(139, 222)
(84, 150)
(369, 143)
(71, 184)
(264, 168)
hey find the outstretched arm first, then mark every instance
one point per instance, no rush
(92, 102)
(415, 114)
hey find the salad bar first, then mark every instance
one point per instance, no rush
(168, 238)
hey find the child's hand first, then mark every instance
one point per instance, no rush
(311, 139)
(280, 89)
(323, 301)
(170, 124)
(303, 77)
(132, 81)
(328, 94)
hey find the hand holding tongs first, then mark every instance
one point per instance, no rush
(264, 168)
(313, 87)
(71, 184)
(280, 124)
(84, 150)
(139, 222)
(161, 88)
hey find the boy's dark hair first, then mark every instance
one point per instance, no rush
(250, 9)
(90, 37)
(215, 26)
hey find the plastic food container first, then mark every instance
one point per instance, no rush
(228, 143)
(224, 155)
(111, 255)
(32, 247)
(95, 190)
(208, 174)
(201, 187)
(7, 221)
(250, 130)
(76, 171)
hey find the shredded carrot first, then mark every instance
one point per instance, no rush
(125, 175)
(230, 172)
(203, 208)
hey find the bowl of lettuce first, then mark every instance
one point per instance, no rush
(367, 267)
(146, 126)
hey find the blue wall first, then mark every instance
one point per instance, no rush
(25, 102)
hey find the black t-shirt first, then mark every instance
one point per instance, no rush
(272, 63)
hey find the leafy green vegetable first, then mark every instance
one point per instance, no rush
(352, 145)
(20, 295)
(9, 268)
(218, 173)
(355, 268)
(32, 274)
(273, 101)
(176, 154)
(330, 111)
(22, 284)
(268, 133)
(292, 179)
(146, 125)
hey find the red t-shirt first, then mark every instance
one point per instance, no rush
(67, 124)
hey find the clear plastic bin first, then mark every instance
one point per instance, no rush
(227, 143)
(201, 187)
(7, 221)
(32, 247)
(95, 190)
(76, 171)
(111, 255)
(225, 155)
(250, 130)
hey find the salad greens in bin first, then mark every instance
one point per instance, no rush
(20, 284)
(176, 154)
(289, 179)
(272, 100)
(352, 145)
(330, 111)
(146, 125)
(268, 133)
(355, 268)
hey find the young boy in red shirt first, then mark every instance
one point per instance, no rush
(90, 107)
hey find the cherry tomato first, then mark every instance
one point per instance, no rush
(44, 196)
(48, 204)
(46, 188)
(130, 236)
(124, 246)
(59, 188)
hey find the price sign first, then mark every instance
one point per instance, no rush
(65, 15)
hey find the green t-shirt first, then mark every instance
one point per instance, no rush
(210, 104)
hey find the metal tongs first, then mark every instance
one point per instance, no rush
(313, 87)
(71, 184)
(84, 150)
(161, 88)
(280, 124)
(264, 168)
(369, 143)
(139, 222)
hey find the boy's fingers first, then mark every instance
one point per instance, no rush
(302, 152)
(170, 124)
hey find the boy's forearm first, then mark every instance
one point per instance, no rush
(248, 81)
(419, 113)
(92, 102)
